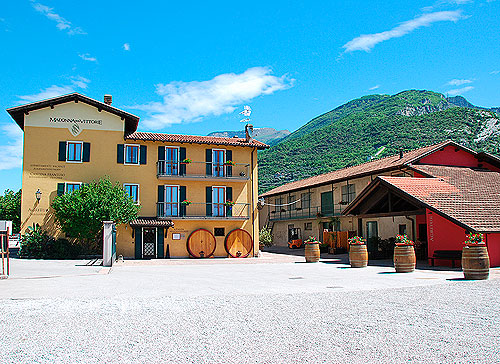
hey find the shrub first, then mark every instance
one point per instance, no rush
(37, 244)
(266, 237)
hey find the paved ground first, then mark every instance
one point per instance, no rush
(275, 309)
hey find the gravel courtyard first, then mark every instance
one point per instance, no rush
(280, 312)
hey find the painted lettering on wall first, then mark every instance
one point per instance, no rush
(431, 227)
(75, 125)
(47, 171)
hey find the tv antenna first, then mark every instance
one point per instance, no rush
(247, 111)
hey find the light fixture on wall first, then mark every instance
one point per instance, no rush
(38, 195)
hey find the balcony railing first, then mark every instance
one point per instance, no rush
(286, 213)
(171, 169)
(238, 211)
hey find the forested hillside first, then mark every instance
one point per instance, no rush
(354, 132)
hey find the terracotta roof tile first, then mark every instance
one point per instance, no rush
(151, 221)
(375, 166)
(177, 138)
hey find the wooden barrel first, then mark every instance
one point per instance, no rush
(312, 253)
(238, 243)
(475, 262)
(201, 244)
(404, 259)
(358, 255)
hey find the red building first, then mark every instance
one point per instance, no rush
(453, 191)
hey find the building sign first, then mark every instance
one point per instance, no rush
(75, 124)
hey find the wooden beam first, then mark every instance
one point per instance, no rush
(389, 214)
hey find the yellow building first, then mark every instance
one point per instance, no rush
(198, 194)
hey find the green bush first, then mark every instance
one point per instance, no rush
(266, 237)
(37, 244)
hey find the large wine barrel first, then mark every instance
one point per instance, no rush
(404, 259)
(201, 244)
(358, 255)
(475, 262)
(238, 243)
(312, 253)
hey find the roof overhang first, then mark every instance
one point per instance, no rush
(18, 112)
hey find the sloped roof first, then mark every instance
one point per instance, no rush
(376, 166)
(152, 222)
(18, 112)
(177, 138)
(469, 197)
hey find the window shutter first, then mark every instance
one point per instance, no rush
(86, 152)
(161, 153)
(62, 151)
(208, 159)
(119, 153)
(229, 197)
(182, 197)
(143, 154)
(229, 157)
(182, 156)
(60, 189)
(161, 198)
(208, 194)
(160, 233)
(138, 242)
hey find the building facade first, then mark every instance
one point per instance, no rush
(193, 191)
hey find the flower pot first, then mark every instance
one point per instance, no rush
(312, 253)
(475, 262)
(358, 255)
(404, 258)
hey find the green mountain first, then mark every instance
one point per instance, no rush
(265, 135)
(359, 130)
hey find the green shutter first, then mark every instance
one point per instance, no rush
(86, 152)
(161, 199)
(229, 157)
(327, 203)
(208, 159)
(208, 195)
(229, 197)
(62, 152)
(161, 153)
(160, 238)
(119, 154)
(182, 156)
(182, 197)
(143, 154)
(60, 189)
(138, 243)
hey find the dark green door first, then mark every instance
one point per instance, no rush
(327, 203)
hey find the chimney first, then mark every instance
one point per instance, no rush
(249, 133)
(400, 153)
(108, 99)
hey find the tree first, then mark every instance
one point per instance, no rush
(81, 213)
(10, 208)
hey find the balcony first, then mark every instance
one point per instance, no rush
(202, 170)
(202, 211)
(294, 213)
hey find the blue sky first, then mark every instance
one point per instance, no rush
(189, 67)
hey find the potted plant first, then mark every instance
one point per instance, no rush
(186, 202)
(229, 203)
(475, 259)
(404, 255)
(358, 254)
(265, 238)
(312, 252)
(186, 161)
(230, 163)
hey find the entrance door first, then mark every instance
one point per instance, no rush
(218, 161)
(371, 232)
(149, 243)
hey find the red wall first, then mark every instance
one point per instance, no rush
(493, 242)
(450, 157)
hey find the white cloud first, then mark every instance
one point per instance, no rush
(440, 3)
(87, 57)
(61, 23)
(366, 42)
(496, 72)
(190, 101)
(11, 155)
(459, 91)
(457, 82)
(374, 87)
(55, 90)
(126, 46)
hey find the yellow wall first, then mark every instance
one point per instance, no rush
(42, 170)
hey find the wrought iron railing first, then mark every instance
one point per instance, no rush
(289, 213)
(165, 168)
(202, 210)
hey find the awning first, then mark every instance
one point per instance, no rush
(151, 222)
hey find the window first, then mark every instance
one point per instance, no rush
(74, 151)
(291, 206)
(308, 226)
(171, 200)
(348, 193)
(171, 161)
(218, 201)
(131, 154)
(218, 160)
(371, 230)
(402, 229)
(306, 200)
(70, 187)
(132, 190)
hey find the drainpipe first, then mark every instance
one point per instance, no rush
(253, 207)
(412, 226)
